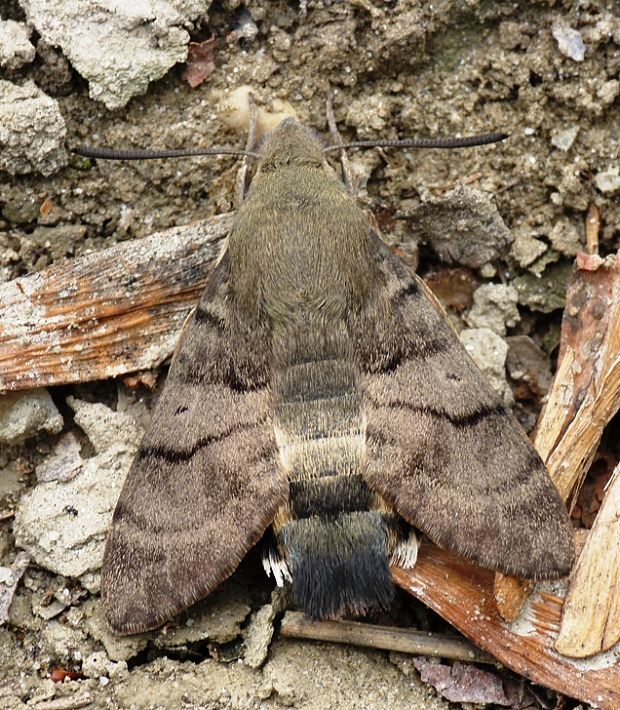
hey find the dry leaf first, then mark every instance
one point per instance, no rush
(200, 62)
(461, 683)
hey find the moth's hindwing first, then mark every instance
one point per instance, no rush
(441, 446)
(204, 486)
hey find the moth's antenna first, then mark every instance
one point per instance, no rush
(347, 173)
(138, 154)
(241, 183)
(465, 142)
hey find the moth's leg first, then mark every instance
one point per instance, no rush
(405, 554)
(347, 173)
(274, 563)
(242, 183)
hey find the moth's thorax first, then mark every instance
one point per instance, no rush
(300, 241)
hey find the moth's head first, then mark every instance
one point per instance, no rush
(290, 144)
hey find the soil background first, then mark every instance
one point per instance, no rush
(399, 69)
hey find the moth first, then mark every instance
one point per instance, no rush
(319, 391)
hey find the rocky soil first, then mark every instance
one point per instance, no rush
(492, 229)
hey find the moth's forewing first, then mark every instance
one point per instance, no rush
(205, 483)
(441, 446)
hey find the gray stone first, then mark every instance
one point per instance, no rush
(565, 139)
(32, 130)
(118, 648)
(526, 248)
(218, 619)
(63, 524)
(257, 636)
(463, 227)
(119, 49)
(608, 180)
(104, 427)
(545, 292)
(608, 91)
(569, 41)
(63, 644)
(15, 47)
(98, 665)
(489, 351)
(565, 237)
(20, 614)
(495, 307)
(24, 414)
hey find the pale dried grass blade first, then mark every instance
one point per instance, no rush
(591, 620)
(8, 585)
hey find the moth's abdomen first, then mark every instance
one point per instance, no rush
(334, 542)
(339, 564)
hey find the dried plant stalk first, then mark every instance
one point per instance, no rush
(584, 397)
(593, 227)
(390, 638)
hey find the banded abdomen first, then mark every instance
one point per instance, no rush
(334, 534)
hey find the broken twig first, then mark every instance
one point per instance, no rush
(389, 638)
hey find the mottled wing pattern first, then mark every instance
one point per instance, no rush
(205, 483)
(442, 448)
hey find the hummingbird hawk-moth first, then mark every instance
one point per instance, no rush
(319, 390)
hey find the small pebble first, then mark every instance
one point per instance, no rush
(569, 41)
(6, 576)
(565, 139)
(608, 181)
